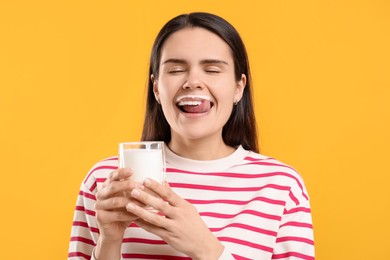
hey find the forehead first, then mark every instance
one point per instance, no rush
(195, 44)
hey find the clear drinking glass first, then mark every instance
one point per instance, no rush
(146, 159)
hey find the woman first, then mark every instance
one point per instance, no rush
(222, 200)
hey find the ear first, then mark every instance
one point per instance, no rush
(240, 89)
(155, 88)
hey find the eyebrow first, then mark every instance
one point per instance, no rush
(207, 61)
(214, 61)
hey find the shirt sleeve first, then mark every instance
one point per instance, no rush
(84, 232)
(93, 255)
(295, 238)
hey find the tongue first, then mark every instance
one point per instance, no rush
(202, 108)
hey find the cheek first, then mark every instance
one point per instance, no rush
(165, 89)
(167, 93)
(226, 93)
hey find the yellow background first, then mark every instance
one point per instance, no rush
(72, 77)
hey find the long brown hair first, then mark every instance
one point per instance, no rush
(240, 129)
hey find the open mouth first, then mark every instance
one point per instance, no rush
(194, 104)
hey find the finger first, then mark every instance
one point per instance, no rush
(164, 191)
(147, 215)
(116, 203)
(114, 216)
(120, 174)
(108, 179)
(112, 203)
(118, 188)
(159, 231)
(149, 191)
(155, 202)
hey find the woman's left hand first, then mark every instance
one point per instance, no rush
(179, 224)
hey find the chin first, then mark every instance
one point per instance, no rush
(199, 133)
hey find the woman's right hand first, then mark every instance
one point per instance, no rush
(111, 200)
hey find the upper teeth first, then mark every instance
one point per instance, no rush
(189, 103)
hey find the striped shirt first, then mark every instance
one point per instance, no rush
(256, 206)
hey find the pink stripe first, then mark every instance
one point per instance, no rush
(237, 257)
(87, 195)
(293, 254)
(144, 241)
(295, 210)
(144, 256)
(114, 158)
(298, 224)
(93, 187)
(292, 177)
(247, 227)
(104, 167)
(85, 224)
(133, 225)
(99, 180)
(246, 176)
(80, 224)
(248, 158)
(249, 212)
(238, 202)
(83, 240)
(220, 188)
(232, 174)
(87, 211)
(79, 254)
(293, 198)
(295, 239)
(246, 243)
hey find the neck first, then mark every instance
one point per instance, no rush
(203, 150)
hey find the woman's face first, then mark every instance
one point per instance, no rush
(196, 85)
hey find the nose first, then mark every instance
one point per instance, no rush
(193, 81)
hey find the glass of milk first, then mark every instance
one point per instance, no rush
(146, 159)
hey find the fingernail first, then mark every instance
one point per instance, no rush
(139, 186)
(147, 182)
(124, 171)
(135, 193)
(130, 206)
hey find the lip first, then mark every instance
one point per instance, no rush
(193, 98)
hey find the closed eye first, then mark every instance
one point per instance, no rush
(176, 69)
(213, 70)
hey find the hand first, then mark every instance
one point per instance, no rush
(178, 223)
(111, 201)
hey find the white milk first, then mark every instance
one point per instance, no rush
(145, 163)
